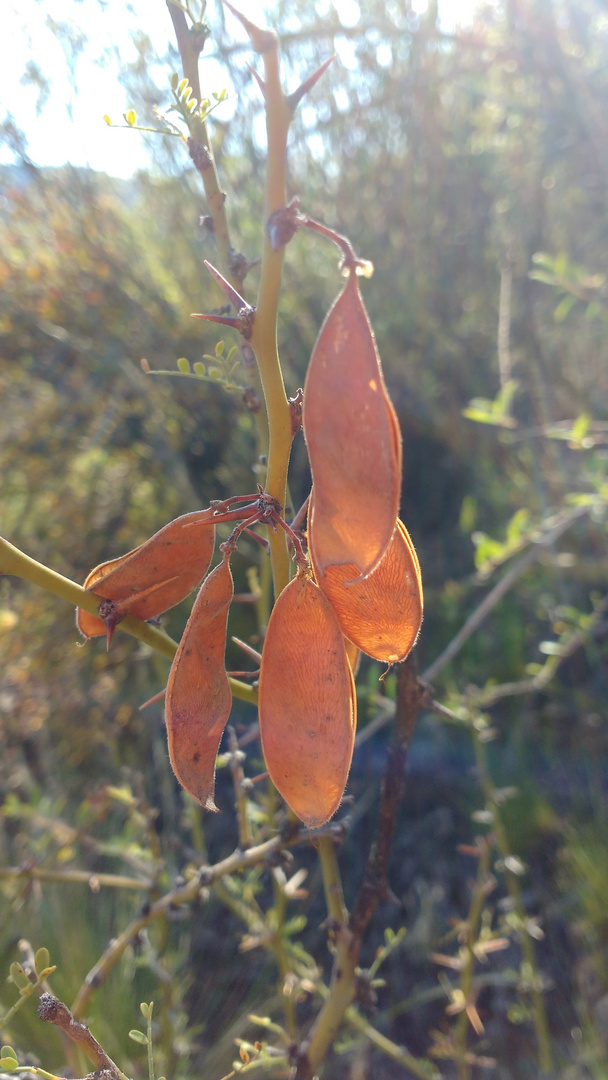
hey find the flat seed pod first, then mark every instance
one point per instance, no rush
(382, 613)
(353, 439)
(307, 703)
(354, 656)
(198, 698)
(153, 577)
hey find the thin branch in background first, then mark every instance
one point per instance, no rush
(491, 694)
(504, 325)
(235, 762)
(186, 894)
(501, 588)
(410, 698)
(75, 877)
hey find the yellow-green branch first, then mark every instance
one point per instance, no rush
(264, 334)
(17, 564)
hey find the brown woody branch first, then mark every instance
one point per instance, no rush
(410, 698)
(53, 1010)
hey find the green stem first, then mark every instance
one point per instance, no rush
(264, 333)
(424, 1070)
(342, 992)
(343, 984)
(23, 997)
(539, 1016)
(18, 564)
(466, 978)
(150, 1044)
(35, 1070)
(332, 883)
(283, 961)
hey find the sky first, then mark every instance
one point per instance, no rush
(69, 127)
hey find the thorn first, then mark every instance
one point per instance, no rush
(111, 614)
(259, 80)
(253, 653)
(262, 39)
(225, 320)
(220, 517)
(294, 99)
(296, 524)
(234, 297)
(256, 779)
(152, 700)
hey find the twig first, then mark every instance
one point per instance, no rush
(513, 888)
(470, 934)
(343, 986)
(238, 778)
(282, 959)
(491, 694)
(410, 697)
(185, 894)
(424, 1070)
(504, 325)
(190, 47)
(53, 1010)
(496, 594)
(201, 151)
(539, 1016)
(75, 877)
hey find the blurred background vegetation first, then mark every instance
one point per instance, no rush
(471, 166)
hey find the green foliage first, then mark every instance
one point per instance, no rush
(497, 412)
(571, 282)
(222, 369)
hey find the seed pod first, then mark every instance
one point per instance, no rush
(354, 656)
(353, 439)
(382, 613)
(307, 702)
(198, 698)
(152, 578)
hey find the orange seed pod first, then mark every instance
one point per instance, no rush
(198, 697)
(382, 613)
(153, 577)
(307, 703)
(353, 439)
(354, 655)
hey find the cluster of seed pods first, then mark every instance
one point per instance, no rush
(365, 590)
(359, 589)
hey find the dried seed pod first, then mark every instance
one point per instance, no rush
(307, 702)
(354, 655)
(353, 439)
(153, 577)
(198, 698)
(382, 613)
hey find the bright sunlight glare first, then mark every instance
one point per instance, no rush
(63, 124)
